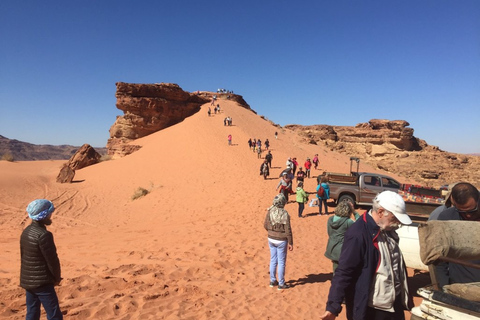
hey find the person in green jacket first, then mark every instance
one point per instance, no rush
(337, 225)
(302, 198)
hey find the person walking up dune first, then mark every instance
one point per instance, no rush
(280, 238)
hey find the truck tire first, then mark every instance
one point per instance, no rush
(346, 197)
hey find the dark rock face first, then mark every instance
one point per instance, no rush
(66, 174)
(84, 157)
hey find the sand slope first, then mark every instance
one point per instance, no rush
(193, 248)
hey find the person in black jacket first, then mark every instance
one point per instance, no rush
(40, 267)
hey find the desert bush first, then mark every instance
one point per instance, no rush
(140, 192)
(7, 157)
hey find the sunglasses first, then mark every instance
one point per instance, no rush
(468, 211)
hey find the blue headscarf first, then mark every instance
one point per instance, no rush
(40, 209)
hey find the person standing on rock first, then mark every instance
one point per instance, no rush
(40, 266)
(280, 238)
(229, 139)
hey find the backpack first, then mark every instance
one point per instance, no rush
(321, 192)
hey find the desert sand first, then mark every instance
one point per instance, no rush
(194, 247)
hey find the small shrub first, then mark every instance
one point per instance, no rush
(8, 157)
(140, 192)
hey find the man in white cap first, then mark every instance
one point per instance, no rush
(371, 276)
(40, 267)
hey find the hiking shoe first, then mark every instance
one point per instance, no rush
(273, 283)
(285, 286)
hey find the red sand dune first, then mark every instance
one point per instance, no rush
(193, 248)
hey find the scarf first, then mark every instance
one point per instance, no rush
(278, 215)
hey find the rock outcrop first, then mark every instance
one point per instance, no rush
(149, 108)
(84, 157)
(391, 146)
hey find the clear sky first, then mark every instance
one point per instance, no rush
(304, 62)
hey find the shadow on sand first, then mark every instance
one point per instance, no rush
(311, 278)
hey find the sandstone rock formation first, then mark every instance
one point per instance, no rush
(84, 157)
(391, 146)
(152, 107)
(66, 174)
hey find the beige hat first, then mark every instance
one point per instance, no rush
(393, 202)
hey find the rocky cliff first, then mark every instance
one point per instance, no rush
(15, 150)
(152, 107)
(391, 146)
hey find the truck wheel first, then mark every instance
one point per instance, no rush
(346, 197)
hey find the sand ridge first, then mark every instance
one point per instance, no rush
(194, 247)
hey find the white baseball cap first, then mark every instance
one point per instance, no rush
(394, 203)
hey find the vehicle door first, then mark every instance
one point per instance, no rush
(372, 185)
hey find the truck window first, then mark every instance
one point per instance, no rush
(371, 181)
(390, 183)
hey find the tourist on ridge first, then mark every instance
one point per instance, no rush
(289, 163)
(40, 266)
(259, 152)
(269, 158)
(280, 237)
(308, 166)
(264, 170)
(229, 139)
(337, 225)
(295, 165)
(254, 145)
(300, 175)
(276, 134)
(323, 196)
(465, 200)
(315, 161)
(371, 275)
(209, 111)
(267, 144)
(250, 143)
(302, 198)
(285, 185)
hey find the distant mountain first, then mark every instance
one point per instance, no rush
(24, 151)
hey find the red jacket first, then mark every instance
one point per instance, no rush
(308, 164)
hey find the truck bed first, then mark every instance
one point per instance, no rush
(341, 178)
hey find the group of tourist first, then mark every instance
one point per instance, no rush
(369, 273)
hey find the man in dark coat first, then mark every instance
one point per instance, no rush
(371, 274)
(40, 267)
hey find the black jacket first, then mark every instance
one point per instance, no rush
(39, 261)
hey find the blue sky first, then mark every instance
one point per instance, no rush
(305, 62)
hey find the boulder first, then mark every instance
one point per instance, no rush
(84, 157)
(66, 174)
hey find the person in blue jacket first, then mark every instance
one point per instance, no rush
(371, 274)
(322, 199)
